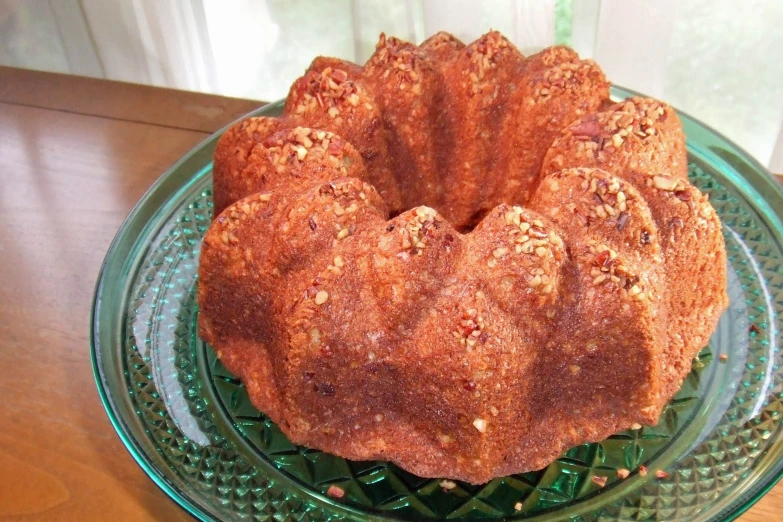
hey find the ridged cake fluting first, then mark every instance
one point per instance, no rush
(459, 259)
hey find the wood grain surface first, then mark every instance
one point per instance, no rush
(75, 156)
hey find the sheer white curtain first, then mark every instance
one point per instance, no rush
(720, 60)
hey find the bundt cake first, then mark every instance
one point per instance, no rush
(458, 259)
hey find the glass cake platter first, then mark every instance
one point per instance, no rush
(191, 427)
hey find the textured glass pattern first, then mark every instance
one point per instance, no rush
(190, 425)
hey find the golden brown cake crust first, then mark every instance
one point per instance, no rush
(408, 87)
(641, 141)
(479, 81)
(294, 158)
(231, 158)
(330, 100)
(557, 88)
(465, 337)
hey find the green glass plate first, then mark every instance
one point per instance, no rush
(189, 424)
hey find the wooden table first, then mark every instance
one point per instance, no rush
(75, 156)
